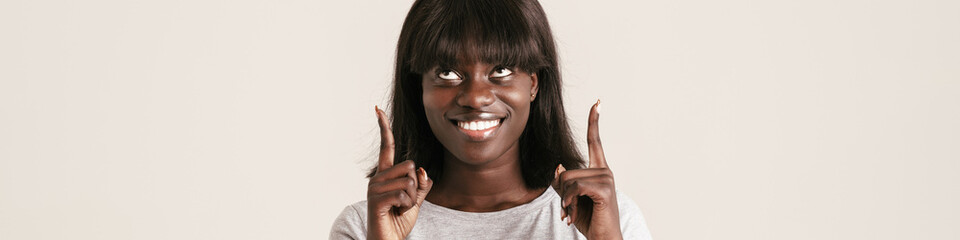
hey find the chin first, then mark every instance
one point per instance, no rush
(474, 158)
(472, 153)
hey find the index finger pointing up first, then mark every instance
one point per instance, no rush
(386, 141)
(593, 138)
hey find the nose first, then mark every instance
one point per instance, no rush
(476, 94)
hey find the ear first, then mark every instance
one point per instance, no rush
(533, 88)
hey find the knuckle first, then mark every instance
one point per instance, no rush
(572, 187)
(593, 120)
(409, 164)
(376, 178)
(428, 184)
(397, 194)
(386, 144)
(608, 179)
(565, 176)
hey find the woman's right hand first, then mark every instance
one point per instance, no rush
(395, 193)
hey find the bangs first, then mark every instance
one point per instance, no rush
(456, 33)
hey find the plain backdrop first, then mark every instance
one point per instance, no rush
(738, 119)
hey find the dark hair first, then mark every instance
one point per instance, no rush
(505, 32)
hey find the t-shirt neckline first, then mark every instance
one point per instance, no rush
(537, 203)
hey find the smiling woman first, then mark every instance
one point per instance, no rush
(483, 77)
(446, 48)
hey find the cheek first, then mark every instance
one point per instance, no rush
(518, 98)
(435, 103)
(433, 107)
(434, 100)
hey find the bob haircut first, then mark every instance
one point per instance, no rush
(512, 33)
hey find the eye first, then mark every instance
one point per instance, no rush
(448, 75)
(501, 72)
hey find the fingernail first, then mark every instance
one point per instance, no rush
(598, 105)
(376, 110)
(562, 169)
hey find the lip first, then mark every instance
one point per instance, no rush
(487, 124)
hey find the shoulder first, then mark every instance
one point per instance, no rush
(632, 223)
(351, 223)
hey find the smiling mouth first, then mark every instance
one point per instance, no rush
(478, 130)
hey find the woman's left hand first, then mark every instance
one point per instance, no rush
(588, 196)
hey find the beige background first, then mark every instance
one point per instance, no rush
(253, 119)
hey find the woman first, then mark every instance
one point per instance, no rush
(479, 146)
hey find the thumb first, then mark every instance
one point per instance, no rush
(424, 187)
(556, 177)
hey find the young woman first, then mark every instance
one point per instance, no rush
(478, 146)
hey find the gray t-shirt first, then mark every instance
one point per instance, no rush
(538, 219)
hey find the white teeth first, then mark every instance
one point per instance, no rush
(478, 125)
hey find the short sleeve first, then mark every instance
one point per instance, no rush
(632, 224)
(349, 225)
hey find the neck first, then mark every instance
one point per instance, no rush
(490, 186)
